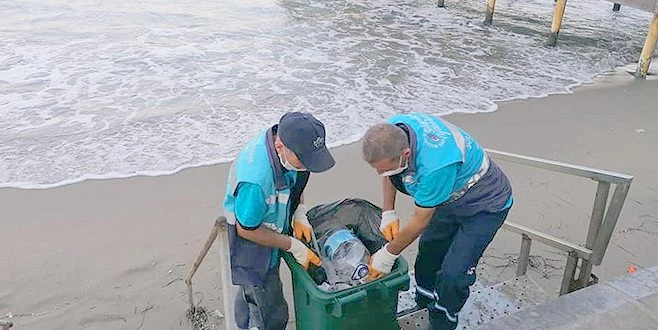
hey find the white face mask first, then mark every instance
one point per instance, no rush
(396, 171)
(286, 164)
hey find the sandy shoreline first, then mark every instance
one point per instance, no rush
(109, 254)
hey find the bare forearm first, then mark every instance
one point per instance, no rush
(411, 231)
(266, 237)
(389, 194)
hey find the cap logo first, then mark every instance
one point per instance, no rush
(318, 143)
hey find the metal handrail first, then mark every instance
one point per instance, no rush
(577, 170)
(602, 222)
(555, 242)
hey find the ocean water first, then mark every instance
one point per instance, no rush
(101, 89)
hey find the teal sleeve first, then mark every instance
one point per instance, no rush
(435, 188)
(509, 203)
(250, 206)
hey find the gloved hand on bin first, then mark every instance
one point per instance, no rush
(300, 225)
(303, 254)
(390, 225)
(381, 263)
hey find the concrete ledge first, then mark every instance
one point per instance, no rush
(628, 302)
(638, 285)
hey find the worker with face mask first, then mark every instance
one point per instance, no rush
(461, 200)
(263, 202)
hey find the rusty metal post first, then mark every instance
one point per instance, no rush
(569, 272)
(557, 22)
(524, 255)
(647, 50)
(598, 211)
(491, 5)
(609, 222)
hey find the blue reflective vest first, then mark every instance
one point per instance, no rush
(258, 163)
(480, 185)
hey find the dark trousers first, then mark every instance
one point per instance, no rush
(262, 307)
(449, 251)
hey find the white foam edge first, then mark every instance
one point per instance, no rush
(619, 75)
(117, 175)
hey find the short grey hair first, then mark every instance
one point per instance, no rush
(383, 141)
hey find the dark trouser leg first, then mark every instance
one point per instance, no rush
(263, 307)
(432, 247)
(459, 264)
(242, 308)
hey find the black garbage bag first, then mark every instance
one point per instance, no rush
(360, 216)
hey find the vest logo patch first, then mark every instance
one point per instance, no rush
(408, 179)
(435, 139)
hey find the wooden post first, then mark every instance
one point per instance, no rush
(616, 7)
(491, 4)
(211, 239)
(219, 233)
(647, 50)
(557, 22)
(439, 3)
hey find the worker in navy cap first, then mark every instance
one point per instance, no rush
(461, 199)
(264, 202)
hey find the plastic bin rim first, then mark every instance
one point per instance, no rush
(400, 268)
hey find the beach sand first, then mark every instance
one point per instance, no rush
(111, 254)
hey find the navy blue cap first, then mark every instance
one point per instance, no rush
(305, 136)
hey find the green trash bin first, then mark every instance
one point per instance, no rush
(369, 306)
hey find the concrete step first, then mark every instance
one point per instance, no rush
(628, 302)
(486, 303)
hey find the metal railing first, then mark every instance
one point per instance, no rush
(601, 227)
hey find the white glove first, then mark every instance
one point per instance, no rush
(303, 254)
(390, 225)
(300, 225)
(381, 263)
